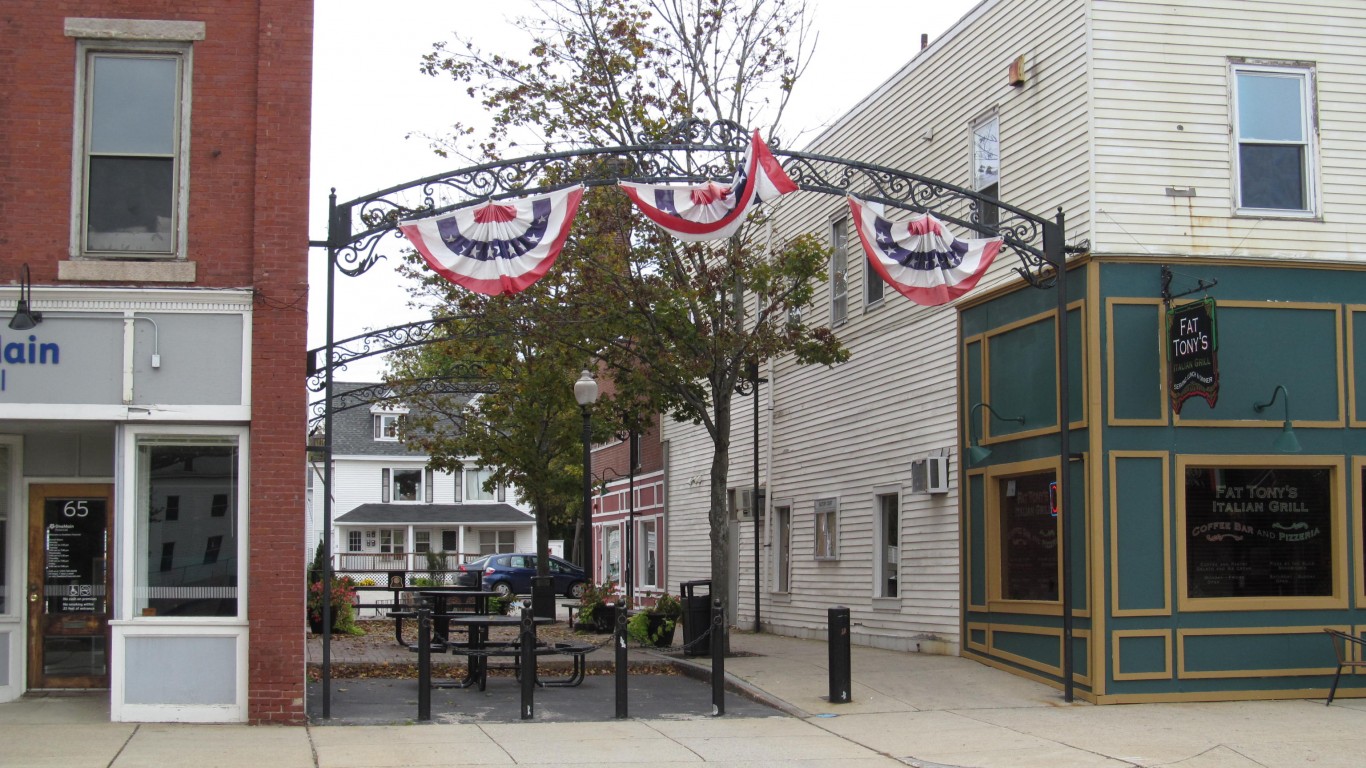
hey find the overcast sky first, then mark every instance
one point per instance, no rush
(368, 95)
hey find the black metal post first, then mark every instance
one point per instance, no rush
(838, 644)
(718, 658)
(424, 663)
(528, 665)
(634, 453)
(333, 237)
(754, 504)
(619, 637)
(1054, 251)
(587, 520)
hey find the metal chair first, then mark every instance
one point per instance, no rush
(1343, 643)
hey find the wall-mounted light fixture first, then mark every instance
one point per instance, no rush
(24, 316)
(977, 453)
(1287, 442)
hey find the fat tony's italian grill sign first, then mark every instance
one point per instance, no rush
(1192, 353)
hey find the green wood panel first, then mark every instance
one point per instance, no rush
(1044, 649)
(1138, 528)
(1137, 356)
(1023, 377)
(1142, 655)
(977, 543)
(1076, 375)
(1358, 320)
(1254, 653)
(1260, 347)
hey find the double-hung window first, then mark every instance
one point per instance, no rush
(986, 166)
(386, 426)
(827, 529)
(887, 546)
(839, 271)
(130, 162)
(475, 480)
(1273, 128)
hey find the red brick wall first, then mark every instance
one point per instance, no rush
(248, 222)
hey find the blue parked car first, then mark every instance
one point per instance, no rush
(510, 574)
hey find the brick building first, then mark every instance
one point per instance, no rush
(155, 160)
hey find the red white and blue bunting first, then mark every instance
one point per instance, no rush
(711, 211)
(919, 257)
(499, 247)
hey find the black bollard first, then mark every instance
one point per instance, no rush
(839, 656)
(619, 637)
(424, 664)
(718, 658)
(528, 638)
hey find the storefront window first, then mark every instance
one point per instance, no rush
(5, 604)
(183, 580)
(1029, 538)
(1259, 532)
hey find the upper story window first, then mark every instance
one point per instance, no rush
(386, 426)
(474, 486)
(986, 165)
(1273, 129)
(839, 271)
(130, 169)
(398, 484)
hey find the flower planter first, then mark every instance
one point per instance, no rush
(663, 638)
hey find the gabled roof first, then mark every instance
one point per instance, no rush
(435, 514)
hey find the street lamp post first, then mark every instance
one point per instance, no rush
(586, 393)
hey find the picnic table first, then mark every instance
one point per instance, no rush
(446, 602)
(478, 649)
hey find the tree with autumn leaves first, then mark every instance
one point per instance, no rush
(675, 325)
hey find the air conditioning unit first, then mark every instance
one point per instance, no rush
(743, 503)
(930, 475)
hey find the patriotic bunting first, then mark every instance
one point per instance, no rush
(500, 247)
(711, 211)
(919, 257)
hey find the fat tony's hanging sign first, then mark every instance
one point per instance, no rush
(1193, 353)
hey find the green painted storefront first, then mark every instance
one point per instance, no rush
(1206, 563)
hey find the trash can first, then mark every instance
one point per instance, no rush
(696, 617)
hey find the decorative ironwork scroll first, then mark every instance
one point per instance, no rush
(394, 393)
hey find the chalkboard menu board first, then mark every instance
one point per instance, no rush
(1193, 353)
(75, 545)
(1029, 538)
(1258, 532)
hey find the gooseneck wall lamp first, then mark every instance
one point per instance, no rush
(585, 394)
(977, 453)
(1287, 442)
(24, 316)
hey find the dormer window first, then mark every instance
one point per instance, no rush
(386, 426)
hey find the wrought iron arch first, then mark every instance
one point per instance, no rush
(693, 151)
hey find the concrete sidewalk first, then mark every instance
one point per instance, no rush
(908, 709)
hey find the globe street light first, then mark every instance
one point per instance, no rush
(586, 393)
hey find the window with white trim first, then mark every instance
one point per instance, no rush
(839, 271)
(497, 542)
(986, 165)
(422, 541)
(474, 485)
(648, 567)
(132, 147)
(887, 546)
(782, 548)
(1273, 128)
(353, 541)
(827, 529)
(391, 541)
(6, 604)
(202, 577)
(386, 427)
(403, 484)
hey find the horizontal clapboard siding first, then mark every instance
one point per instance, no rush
(852, 431)
(1163, 119)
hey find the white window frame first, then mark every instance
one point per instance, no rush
(839, 271)
(386, 427)
(1306, 74)
(985, 162)
(392, 483)
(782, 546)
(422, 542)
(132, 37)
(474, 485)
(826, 531)
(392, 540)
(354, 542)
(128, 608)
(881, 548)
(504, 541)
(643, 548)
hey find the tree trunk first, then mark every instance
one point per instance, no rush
(719, 514)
